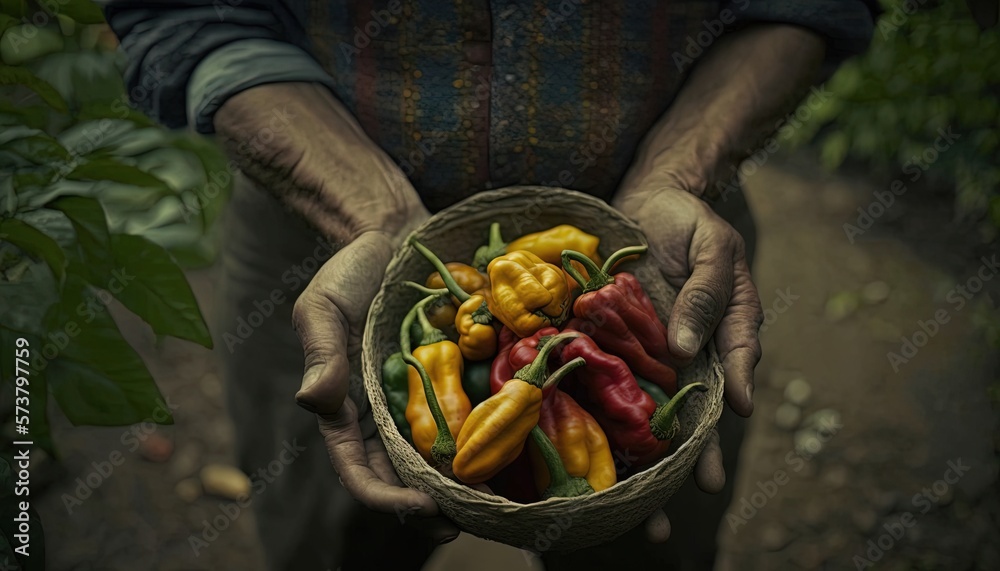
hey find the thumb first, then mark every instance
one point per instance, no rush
(701, 303)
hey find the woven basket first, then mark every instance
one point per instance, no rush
(562, 524)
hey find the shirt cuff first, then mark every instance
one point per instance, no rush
(241, 65)
(847, 25)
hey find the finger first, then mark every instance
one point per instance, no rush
(378, 461)
(349, 456)
(709, 473)
(332, 307)
(703, 298)
(657, 527)
(738, 342)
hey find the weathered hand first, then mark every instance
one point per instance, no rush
(329, 317)
(703, 256)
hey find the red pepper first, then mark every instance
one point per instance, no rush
(619, 315)
(502, 371)
(580, 441)
(633, 422)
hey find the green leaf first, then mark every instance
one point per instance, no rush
(98, 379)
(91, 228)
(16, 8)
(39, 149)
(116, 109)
(9, 527)
(154, 288)
(83, 11)
(107, 168)
(25, 304)
(22, 76)
(35, 242)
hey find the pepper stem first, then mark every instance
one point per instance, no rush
(449, 280)
(482, 314)
(426, 290)
(618, 256)
(431, 334)
(561, 372)
(443, 450)
(664, 423)
(561, 484)
(598, 277)
(534, 372)
(496, 247)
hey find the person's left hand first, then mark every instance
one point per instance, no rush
(704, 257)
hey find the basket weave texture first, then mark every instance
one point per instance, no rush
(561, 524)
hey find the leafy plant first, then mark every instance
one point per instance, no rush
(97, 203)
(927, 70)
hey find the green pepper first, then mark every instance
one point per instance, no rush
(476, 380)
(395, 384)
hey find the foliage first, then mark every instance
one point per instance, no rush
(97, 204)
(926, 71)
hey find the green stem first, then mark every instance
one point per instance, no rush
(496, 247)
(426, 290)
(449, 280)
(598, 277)
(561, 372)
(443, 449)
(664, 422)
(609, 264)
(432, 334)
(561, 484)
(534, 372)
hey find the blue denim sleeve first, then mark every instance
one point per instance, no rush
(185, 57)
(847, 25)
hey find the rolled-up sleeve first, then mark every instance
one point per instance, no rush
(847, 25)
(186, 57)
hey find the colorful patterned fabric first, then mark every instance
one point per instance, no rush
(464, 95)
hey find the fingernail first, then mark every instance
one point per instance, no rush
(306, 406)
(447, 539)
(688, 340)
(750, 395)
(310, 378)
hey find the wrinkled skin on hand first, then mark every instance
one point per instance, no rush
(329, 318)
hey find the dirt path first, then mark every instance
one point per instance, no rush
(884, 436)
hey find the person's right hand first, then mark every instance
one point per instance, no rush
(301, 143)
(329, 318)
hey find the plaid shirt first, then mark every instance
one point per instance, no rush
(464, 95)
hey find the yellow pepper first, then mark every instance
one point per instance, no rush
(468, 278)
(528, 294)
(580, 441)
(437, 406)
(549, 244)
(476, 337)
(495, 431)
